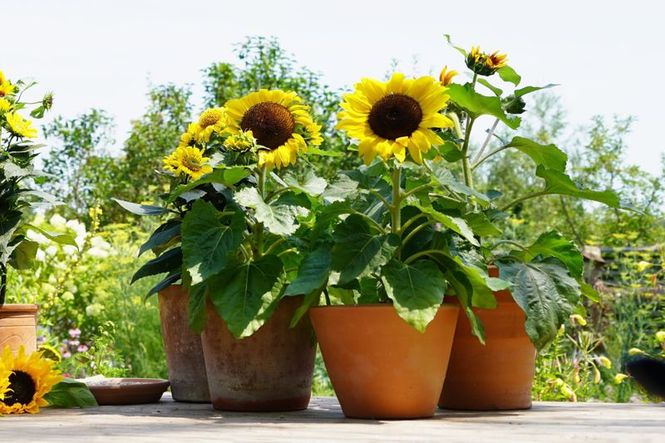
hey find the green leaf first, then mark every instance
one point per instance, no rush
(357, 251)
(58, 237)
(313, 272)
(23, 255)
(70, 393)
(557, 182)
(546, 294)
(548, 155)
(497, 91)
(477, 104)
(311, 184)
(529, 89)
(207, 243)
(170, 260)
(165, 283)
(589, 292)
(311, 150)
(481, 225)
(450, 151)
(416, 290)
(311, 299)
(280, 219)
(162, 235)
(196, 307)
(225, 176)
(553, 244)
(242, 294)
(137, 209)
(340, 189)
(508, 74)
(460, 50)
(455, 224)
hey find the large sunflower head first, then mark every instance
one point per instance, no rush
(28, 378)
(188, 161)
(389, 118)
(210, 121)
(279, 121)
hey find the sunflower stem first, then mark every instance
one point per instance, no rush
(466, 165)
(258, 227)
(395, 208)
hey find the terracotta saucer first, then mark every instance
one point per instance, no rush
(126, 391)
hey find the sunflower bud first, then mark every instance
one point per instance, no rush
(483, 63)
(605, 362)
(513, 105)
(446, 76)
(242, 141)
(47, 101)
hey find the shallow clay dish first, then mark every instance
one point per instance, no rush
(127, 391)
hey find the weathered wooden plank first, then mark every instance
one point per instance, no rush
(171, 421)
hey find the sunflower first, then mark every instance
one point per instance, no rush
(6, 87)
(446, 76)
(210, 121)
(485, 64)
(20, 126)
(30, 379)
(389, 118)
(5, 105)
(242, 141)
(188, 160)
(280, 122)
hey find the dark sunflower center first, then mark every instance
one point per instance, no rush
(395, 116)
(271, 123)
(22, 389)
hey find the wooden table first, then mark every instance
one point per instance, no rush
(169, 421)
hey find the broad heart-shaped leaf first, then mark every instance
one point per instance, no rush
(340, 189)
(242, 293)
(455, 224)
(280, 219)
(477, 104)
(546, 294)
(508, 74)
(497, 91)
(313, 272)
(196, 306)
(225, 176)
(553, 244)
(311, 184)
(556, 182)
(416, 290)
(162, 235)
(481, 225)
(169, 261)
(70, 393)
(548, 155)
(137, 209)
(207, 243)
(357, 251)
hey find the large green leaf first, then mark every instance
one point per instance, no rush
(416, 290)
(508, 74)
(70, 393)
(167, 281)
(278, 218)
(242, 294)
(481, 225)
(548, 155)
(137, 209)
(358, 251)
(311, 184)
(226, 176)
(477, 104)
(313, 272)
(196, 306)
(556, 182)
(340, 189)
(23, 255)
(169, 261)
(553, 244)
(207, 242)
(162, 235)
(455, 224)
(545, 292)
(443, 177)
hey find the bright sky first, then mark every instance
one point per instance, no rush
(606, 55)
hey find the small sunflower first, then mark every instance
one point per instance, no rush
(210, 121)
(29, 377)
(483, 63)
(392, 117)
(242, 141)
(280, 122)
(5, 105)
(188, 160)
(20, 126)
(6, 88)
(446, 76)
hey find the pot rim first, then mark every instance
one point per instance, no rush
(19, 307)
(377, 305)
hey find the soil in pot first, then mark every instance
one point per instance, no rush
(499, 375)
(268, 371)
(18, 327)
(184, 352)
(380, 366)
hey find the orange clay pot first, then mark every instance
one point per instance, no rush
(496, 376)
(269, 371)
(380, 366)
(184, 353)
(18, 327)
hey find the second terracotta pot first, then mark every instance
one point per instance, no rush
(184, 353)
(269, 371)
(379, 365)
(498, 375)
(18, 327)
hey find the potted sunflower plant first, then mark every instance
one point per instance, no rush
(236, 251)
(18, 196)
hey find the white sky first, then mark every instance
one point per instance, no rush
(608, 56)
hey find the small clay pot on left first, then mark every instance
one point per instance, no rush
(18, 327)
(184, 353)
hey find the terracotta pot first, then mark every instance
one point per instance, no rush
(184, 353)
(269, 371)
(380, 366)
(496, 376)
(18, 327)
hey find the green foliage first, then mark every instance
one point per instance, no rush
(70, 393)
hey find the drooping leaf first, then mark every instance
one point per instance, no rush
(169, 280)
(508, 74)
(224, 176)
(311, 299)
(497, 91)
(442, 176)
(23, 255)
(547, 155)
(481, 225)
(477, 104)
(553, 244)
(207, 242)
(358, 251)
(416, 290)
(313, 272)
(243, 292)
(556, 182)
(196, 307)
(70, 393)
(450, 151)
(280, 219)
(137, 209)
(162, 235)
(529, 89)
(455, 224)
(169, 261)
